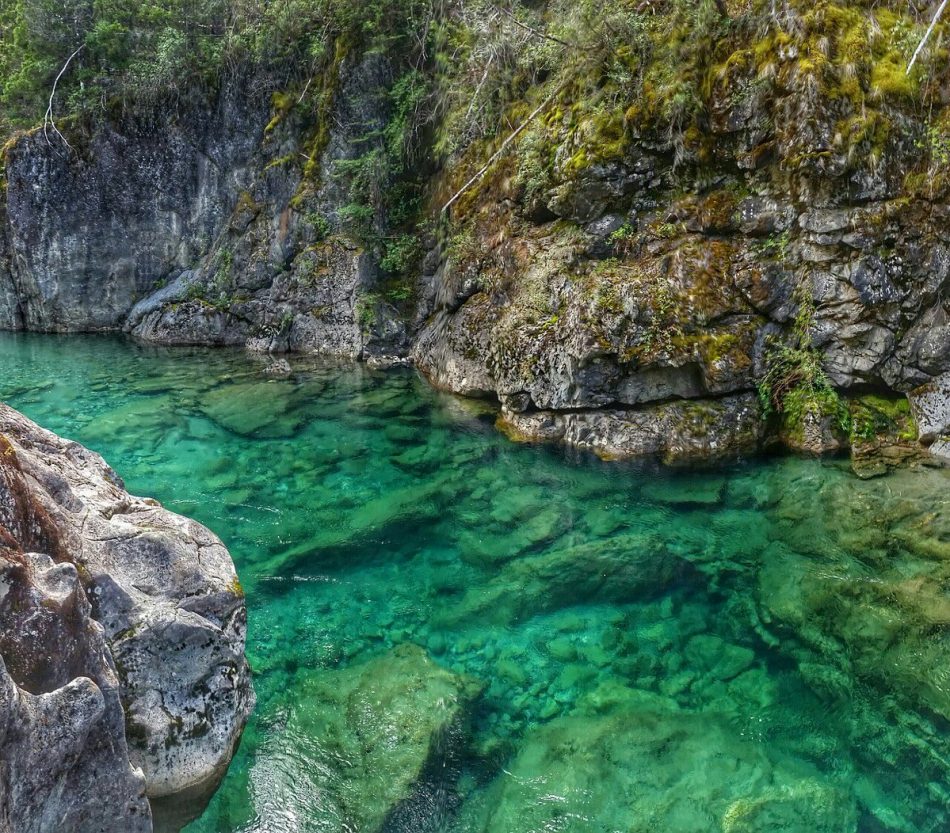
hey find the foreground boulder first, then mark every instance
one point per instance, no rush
(165, 598)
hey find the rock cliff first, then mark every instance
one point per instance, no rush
(122, 644)
(693, 245)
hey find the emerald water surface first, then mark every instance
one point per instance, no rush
(760, 648)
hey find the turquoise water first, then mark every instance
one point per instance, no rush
(454, 633)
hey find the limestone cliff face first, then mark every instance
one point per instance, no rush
(768, 265)
(89, 232)
(122, 644)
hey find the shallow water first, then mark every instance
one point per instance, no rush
(763, 647)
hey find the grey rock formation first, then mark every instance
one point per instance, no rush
(940, 450)
(64, 763)
(676, 432)
(930, 404)
(200, 228)
(618, 287)
(162, 588)
(91, 234)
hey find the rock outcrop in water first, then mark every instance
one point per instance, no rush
(108, 602)
(645, 259)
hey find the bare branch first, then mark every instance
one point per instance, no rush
(306, 87)
(531, 29)
(48, 117)
(504, 145)
(481, 84)
(926, 36)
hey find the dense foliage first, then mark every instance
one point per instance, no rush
(479, 65)
(135, 50)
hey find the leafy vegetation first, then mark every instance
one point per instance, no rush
(795, 385)
(132, 51)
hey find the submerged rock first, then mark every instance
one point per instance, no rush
(366, 748)
(264, 409)
(163, 591)
(622, 568)
(630, 760)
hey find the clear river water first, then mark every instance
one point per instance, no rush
(453, 633)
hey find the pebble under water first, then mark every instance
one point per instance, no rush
(457, 634)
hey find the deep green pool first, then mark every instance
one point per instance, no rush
(761, 648)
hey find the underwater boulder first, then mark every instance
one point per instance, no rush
(366, 748)
(631, 760)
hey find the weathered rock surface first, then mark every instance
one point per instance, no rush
(196, 229)
(90, 235)
(163, 593)
(930, 404)
(609, 267)
(64, 762)
(676, 432)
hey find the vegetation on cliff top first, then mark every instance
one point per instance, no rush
(822, 80)
(132, 51)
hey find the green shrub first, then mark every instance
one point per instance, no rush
(795, 384)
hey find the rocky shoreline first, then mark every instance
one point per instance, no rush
(122, 645)
(773, 270)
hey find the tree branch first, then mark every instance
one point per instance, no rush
(504, 145)
(533, 31)
(48, 116)
(926, 36)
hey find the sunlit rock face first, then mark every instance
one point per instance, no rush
(163, 600)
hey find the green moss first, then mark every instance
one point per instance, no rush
(600, 137)
(809, 401)
(281, 104)
(280, 161)
(889, 78)
(328, 85)
(366, 310)
(246, 203)
(795, 385)
(873, 417)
